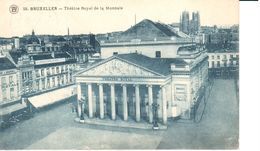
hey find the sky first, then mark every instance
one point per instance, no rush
(212, 12)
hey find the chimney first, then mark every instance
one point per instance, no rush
(16, 43)
(92, 40)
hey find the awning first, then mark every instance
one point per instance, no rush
(51, 97)
(12, 108)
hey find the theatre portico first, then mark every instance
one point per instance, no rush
(137, 87)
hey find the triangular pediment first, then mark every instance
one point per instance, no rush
(118, 67)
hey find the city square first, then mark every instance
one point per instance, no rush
(118, 76)
(56, 129)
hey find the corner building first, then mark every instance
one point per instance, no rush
(126, 86)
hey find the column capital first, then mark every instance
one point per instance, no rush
(123, 84)
(162, 86)
(111, 84)
(100, 84)
(149, 85)
(136, 85)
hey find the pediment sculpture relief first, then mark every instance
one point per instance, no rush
(117, 67)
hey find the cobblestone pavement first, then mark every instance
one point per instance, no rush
(55, 129)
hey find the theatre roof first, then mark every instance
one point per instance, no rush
(158, 65)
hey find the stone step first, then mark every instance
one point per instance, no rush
(120, 123)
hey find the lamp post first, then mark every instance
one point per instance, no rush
(155, 119)
(81, 110)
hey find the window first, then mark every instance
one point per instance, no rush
(53, 70)
(3, 82)
(218, 57)
(231, 63)
(70, 77)
(37, 85)
(218, 64)
(158, 54)
(67, 80)
(37, 73)
(231, 56)
(212, 57)
(4, 94)
(57, 70)
(42, 72)
(11, 79)
(62, 80)
(62, 69)
(12, 93)
(48, 71)
(58, 79)
(213, 64)
(53, 81)
(23, 76)
(43, 83)
(48, 82)
(30, 75)
(225, 64)
(115, 53)
(180, 92)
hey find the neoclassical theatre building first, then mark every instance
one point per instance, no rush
(128, 86)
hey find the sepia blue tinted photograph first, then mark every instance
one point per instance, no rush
(119, 74)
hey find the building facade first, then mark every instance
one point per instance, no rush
(128, 86)
(224, 64)
(9, 84)
(43, 72)
(223, 59)
(53, 73)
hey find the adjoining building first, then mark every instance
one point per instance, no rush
(126, 86)
(224, 64)
(9, 76)
(43, 72)
(9, 90)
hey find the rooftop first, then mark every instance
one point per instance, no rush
(159, 65)
(6, 64)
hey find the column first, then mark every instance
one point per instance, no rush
(79, 98)
(90, 101)
(101, 100)
(113, 103)
(125, 102)
(150, 102)
(164, 105)
(137, 103)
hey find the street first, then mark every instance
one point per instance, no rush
(55, 129)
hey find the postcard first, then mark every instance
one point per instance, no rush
(119, 74)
